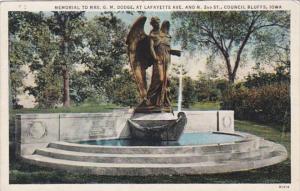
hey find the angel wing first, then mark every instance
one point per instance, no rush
(139, 53)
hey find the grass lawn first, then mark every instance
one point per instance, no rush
(205, 106)
(22, 173)
(201, 106)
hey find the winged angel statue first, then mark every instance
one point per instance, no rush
(151, 50)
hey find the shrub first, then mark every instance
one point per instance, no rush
(267, 104)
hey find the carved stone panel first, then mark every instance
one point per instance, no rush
(75, 127)
(100, 129)
(226, 121)
(200, 121)
(40, 128)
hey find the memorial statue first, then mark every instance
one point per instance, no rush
(153, 118)
(151, 50)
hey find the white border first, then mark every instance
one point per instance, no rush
(293, 6)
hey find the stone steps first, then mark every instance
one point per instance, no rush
(250, 153)
(136, 169)
(149, 158)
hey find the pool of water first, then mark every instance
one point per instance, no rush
(185, 139)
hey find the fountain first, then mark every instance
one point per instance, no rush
(179, 102)
(152, 140)
(153, 118)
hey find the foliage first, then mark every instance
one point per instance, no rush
(267, 103)
(81, 89)
(173, 88)
(272, 47)
(105, 52)
(20, 51)
(122, 90)
(264, 78)
(48, 35)
(102, 55)
(188, 93)
(16, 61)
(48, 92)
(202, 89)
(54, 44)
(66, 28)
(188, 90)
(208, 89)
(227, 34)
(48, 81)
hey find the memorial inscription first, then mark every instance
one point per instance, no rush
(101, 129)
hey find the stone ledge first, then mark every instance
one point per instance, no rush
(134, 169)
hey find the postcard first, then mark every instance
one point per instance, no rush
(160, 95)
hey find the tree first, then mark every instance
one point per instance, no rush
(66, 28)
(105, 53)
(47, 91)
(16, 74)
(188, 92)
(20, 50)
(122, 89)
(62, 41)
(80, 88)
(226, 34)
(267, 78)
(207, 89)
(54, 39)
(42, 61)
(273, 48)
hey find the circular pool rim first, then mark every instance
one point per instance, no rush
(245, 137)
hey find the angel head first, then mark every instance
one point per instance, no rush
(155, 21)
(165, 27)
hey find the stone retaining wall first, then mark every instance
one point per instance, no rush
(37, 130)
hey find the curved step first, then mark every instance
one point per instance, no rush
(238, 146)
(138, 169)
(149, 158)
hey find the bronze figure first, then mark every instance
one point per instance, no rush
(151, 50)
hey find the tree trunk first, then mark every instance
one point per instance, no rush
(231, 75)
(231, 78)
(66, 91)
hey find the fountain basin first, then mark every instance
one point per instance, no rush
(99, 144)
(241, 152)
(185, 140)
